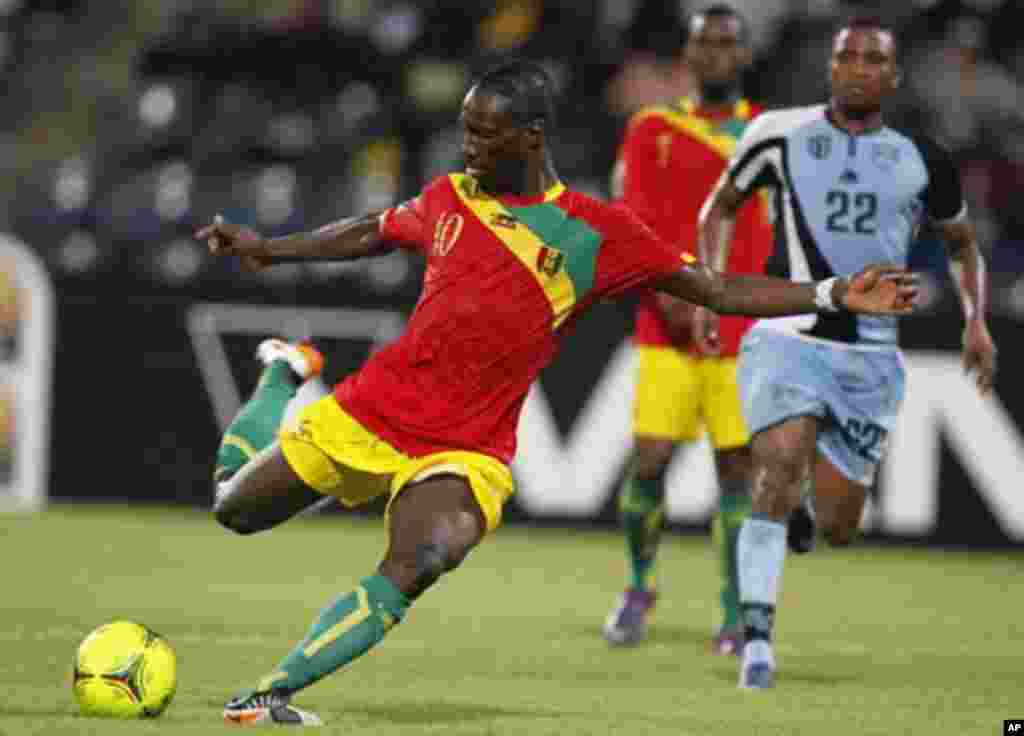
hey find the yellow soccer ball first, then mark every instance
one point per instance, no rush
(124, 670)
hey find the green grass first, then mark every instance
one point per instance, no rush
(870, 641)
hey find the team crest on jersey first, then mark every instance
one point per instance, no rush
(446, 232)
(885, 156)
(820, 146)
(549, 261)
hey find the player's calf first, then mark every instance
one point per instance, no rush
(839, 504)
(779, 480)
(840, 537)
(641, 506)
(802, 528)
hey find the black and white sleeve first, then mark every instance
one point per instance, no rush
(757, 161)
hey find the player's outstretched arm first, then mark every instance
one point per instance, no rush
(344, 240)
(968, 267)
(878, 289)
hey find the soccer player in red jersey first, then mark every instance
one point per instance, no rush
(513, 258)
(670, 159)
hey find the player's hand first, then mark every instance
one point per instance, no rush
(878, 289)
(678, 316)
(705, 331)
(979, 355)
(227, 239)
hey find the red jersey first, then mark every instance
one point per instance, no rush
(505, 277)
(669, 162)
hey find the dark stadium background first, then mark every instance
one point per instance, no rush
(126, 125)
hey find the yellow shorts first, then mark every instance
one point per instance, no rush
(679, 394)
(337, 456)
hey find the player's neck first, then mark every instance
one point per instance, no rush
(854, 122)
(716, 99)
(539, 177)
(522, 179)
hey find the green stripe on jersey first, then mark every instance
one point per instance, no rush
(575, 238)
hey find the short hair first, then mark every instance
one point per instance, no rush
(529, 89)
(871, 23)
(719, 10)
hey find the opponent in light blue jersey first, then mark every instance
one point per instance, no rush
(843, 200)
(821, 393)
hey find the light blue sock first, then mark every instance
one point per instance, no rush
(761, 552)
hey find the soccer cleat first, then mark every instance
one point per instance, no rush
(728, 642)
(265, 709)
(802, 529)
(627, 623)
(304, 359)
(757, 670)
(757, 676)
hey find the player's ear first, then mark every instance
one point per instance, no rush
(897, 77)
(534, 134)
(746, 57)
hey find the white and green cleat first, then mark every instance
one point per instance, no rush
(304, 359)
(267, 709)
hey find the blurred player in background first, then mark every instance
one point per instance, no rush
(821, 393)
(513, 259)
(671, 158)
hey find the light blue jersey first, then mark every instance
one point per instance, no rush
(841, 202)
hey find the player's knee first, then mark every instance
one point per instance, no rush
(784, 463)
(228, 515)
(652, 457)
(782, 471)
(235, 521)
(428, 563)
(431, 563)
(733, 468)
(434, 560)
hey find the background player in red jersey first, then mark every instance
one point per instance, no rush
(670, 159)
(513, 257)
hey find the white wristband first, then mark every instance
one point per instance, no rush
(823, 295)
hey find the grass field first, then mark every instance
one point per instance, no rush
(870, 641)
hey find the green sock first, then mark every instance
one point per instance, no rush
(344, 631)
(641, 503)
(256, 424)
(733, 508)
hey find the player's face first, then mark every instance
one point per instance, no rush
(716, 51)
(494, 146)
(863, 69)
